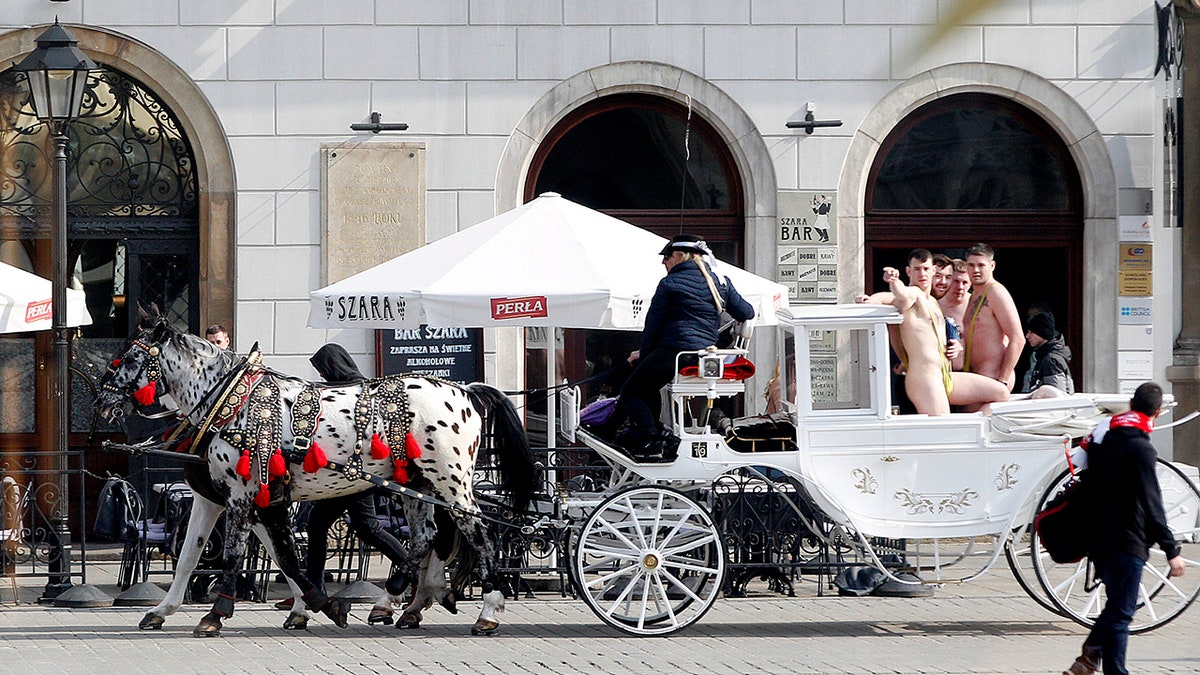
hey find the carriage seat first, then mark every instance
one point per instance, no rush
(734, 369)
(774, 432)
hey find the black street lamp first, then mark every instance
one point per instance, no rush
(57, 72)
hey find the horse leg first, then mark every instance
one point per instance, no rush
(200, 524)
(299, 616)
(424, 535)
(279, 528)
(484, 553)
(237, 524)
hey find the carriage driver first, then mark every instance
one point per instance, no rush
(683, 316)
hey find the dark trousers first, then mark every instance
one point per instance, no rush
(1122, 577)
(640, 395)
(361, 509)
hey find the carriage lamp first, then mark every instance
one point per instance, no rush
(712, 366)
(57, 72)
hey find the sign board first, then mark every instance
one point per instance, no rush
(1136, 228)
(1135, 365)
(1135, 337)
(1134, 269)
(454, 354)
(1134, 311)
(372, 205)
(806, 244)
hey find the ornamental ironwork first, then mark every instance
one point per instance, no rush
(128, 154)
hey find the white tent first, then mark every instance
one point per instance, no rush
(551, 262)
(25, 302)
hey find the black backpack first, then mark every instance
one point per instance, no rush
(118, 510)
(1066, 526)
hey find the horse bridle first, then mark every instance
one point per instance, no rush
(152, 368)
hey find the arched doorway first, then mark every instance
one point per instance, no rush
(978, 167)
(133, 231)
(650, 161)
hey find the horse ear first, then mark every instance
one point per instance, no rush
(144, 319)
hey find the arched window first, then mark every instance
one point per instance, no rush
(651, 162)
(982, 168)
(132, 218)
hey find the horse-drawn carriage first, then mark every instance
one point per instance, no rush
(956, 492)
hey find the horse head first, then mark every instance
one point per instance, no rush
(128, 380)
(153, 362)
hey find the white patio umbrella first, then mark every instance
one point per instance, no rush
(25, 303)
(551, 262)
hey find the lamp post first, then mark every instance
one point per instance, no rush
(57, 72)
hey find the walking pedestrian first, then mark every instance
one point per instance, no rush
(1121, 466)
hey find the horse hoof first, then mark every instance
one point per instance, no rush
(151, 621)
(408, 621)
(380, 615)
(485, 627)
(208, 627)
(295, 622)
(338, 611)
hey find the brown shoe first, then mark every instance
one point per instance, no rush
(285, 604)
(1082, 666)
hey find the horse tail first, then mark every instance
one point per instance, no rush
(514, 457)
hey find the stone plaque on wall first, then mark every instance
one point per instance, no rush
(372, 205)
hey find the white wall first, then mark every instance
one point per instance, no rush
(287, 75)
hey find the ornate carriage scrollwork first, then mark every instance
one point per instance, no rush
(954, 502)
(1007, 478)
(864, 482)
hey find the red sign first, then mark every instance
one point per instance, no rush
(519, 308)
(38, 311)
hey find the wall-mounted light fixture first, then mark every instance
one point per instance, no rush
(810, 122)
(375, 126)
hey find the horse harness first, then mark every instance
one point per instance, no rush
(252, 386)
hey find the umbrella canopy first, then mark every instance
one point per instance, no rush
(551, 262)
(25, 302)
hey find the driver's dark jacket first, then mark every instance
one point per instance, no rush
(683, 315)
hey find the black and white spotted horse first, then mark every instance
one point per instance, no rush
(423, 432)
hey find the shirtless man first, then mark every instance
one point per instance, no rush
(992, 327)
(943, 268)
(929, 383)
(954, 302)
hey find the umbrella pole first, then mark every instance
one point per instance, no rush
(551, 381)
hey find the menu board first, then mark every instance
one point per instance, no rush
(454, 354)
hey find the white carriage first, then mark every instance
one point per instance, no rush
(959, 490)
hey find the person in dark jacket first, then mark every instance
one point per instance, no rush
(683, 316)
(337, 367)
(1051, 355)
(1122, 467)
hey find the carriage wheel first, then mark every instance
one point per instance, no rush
(1079, 594)
(649, 561)
(1020, 561)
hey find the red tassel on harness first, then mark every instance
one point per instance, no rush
(400, 474)
(243, 465)
(411, 447)
(263, 499)
(315, 459)
(379, 449)
(276, 467)
(145, 395)
(116, 363)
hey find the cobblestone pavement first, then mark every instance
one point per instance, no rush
(987, 626)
